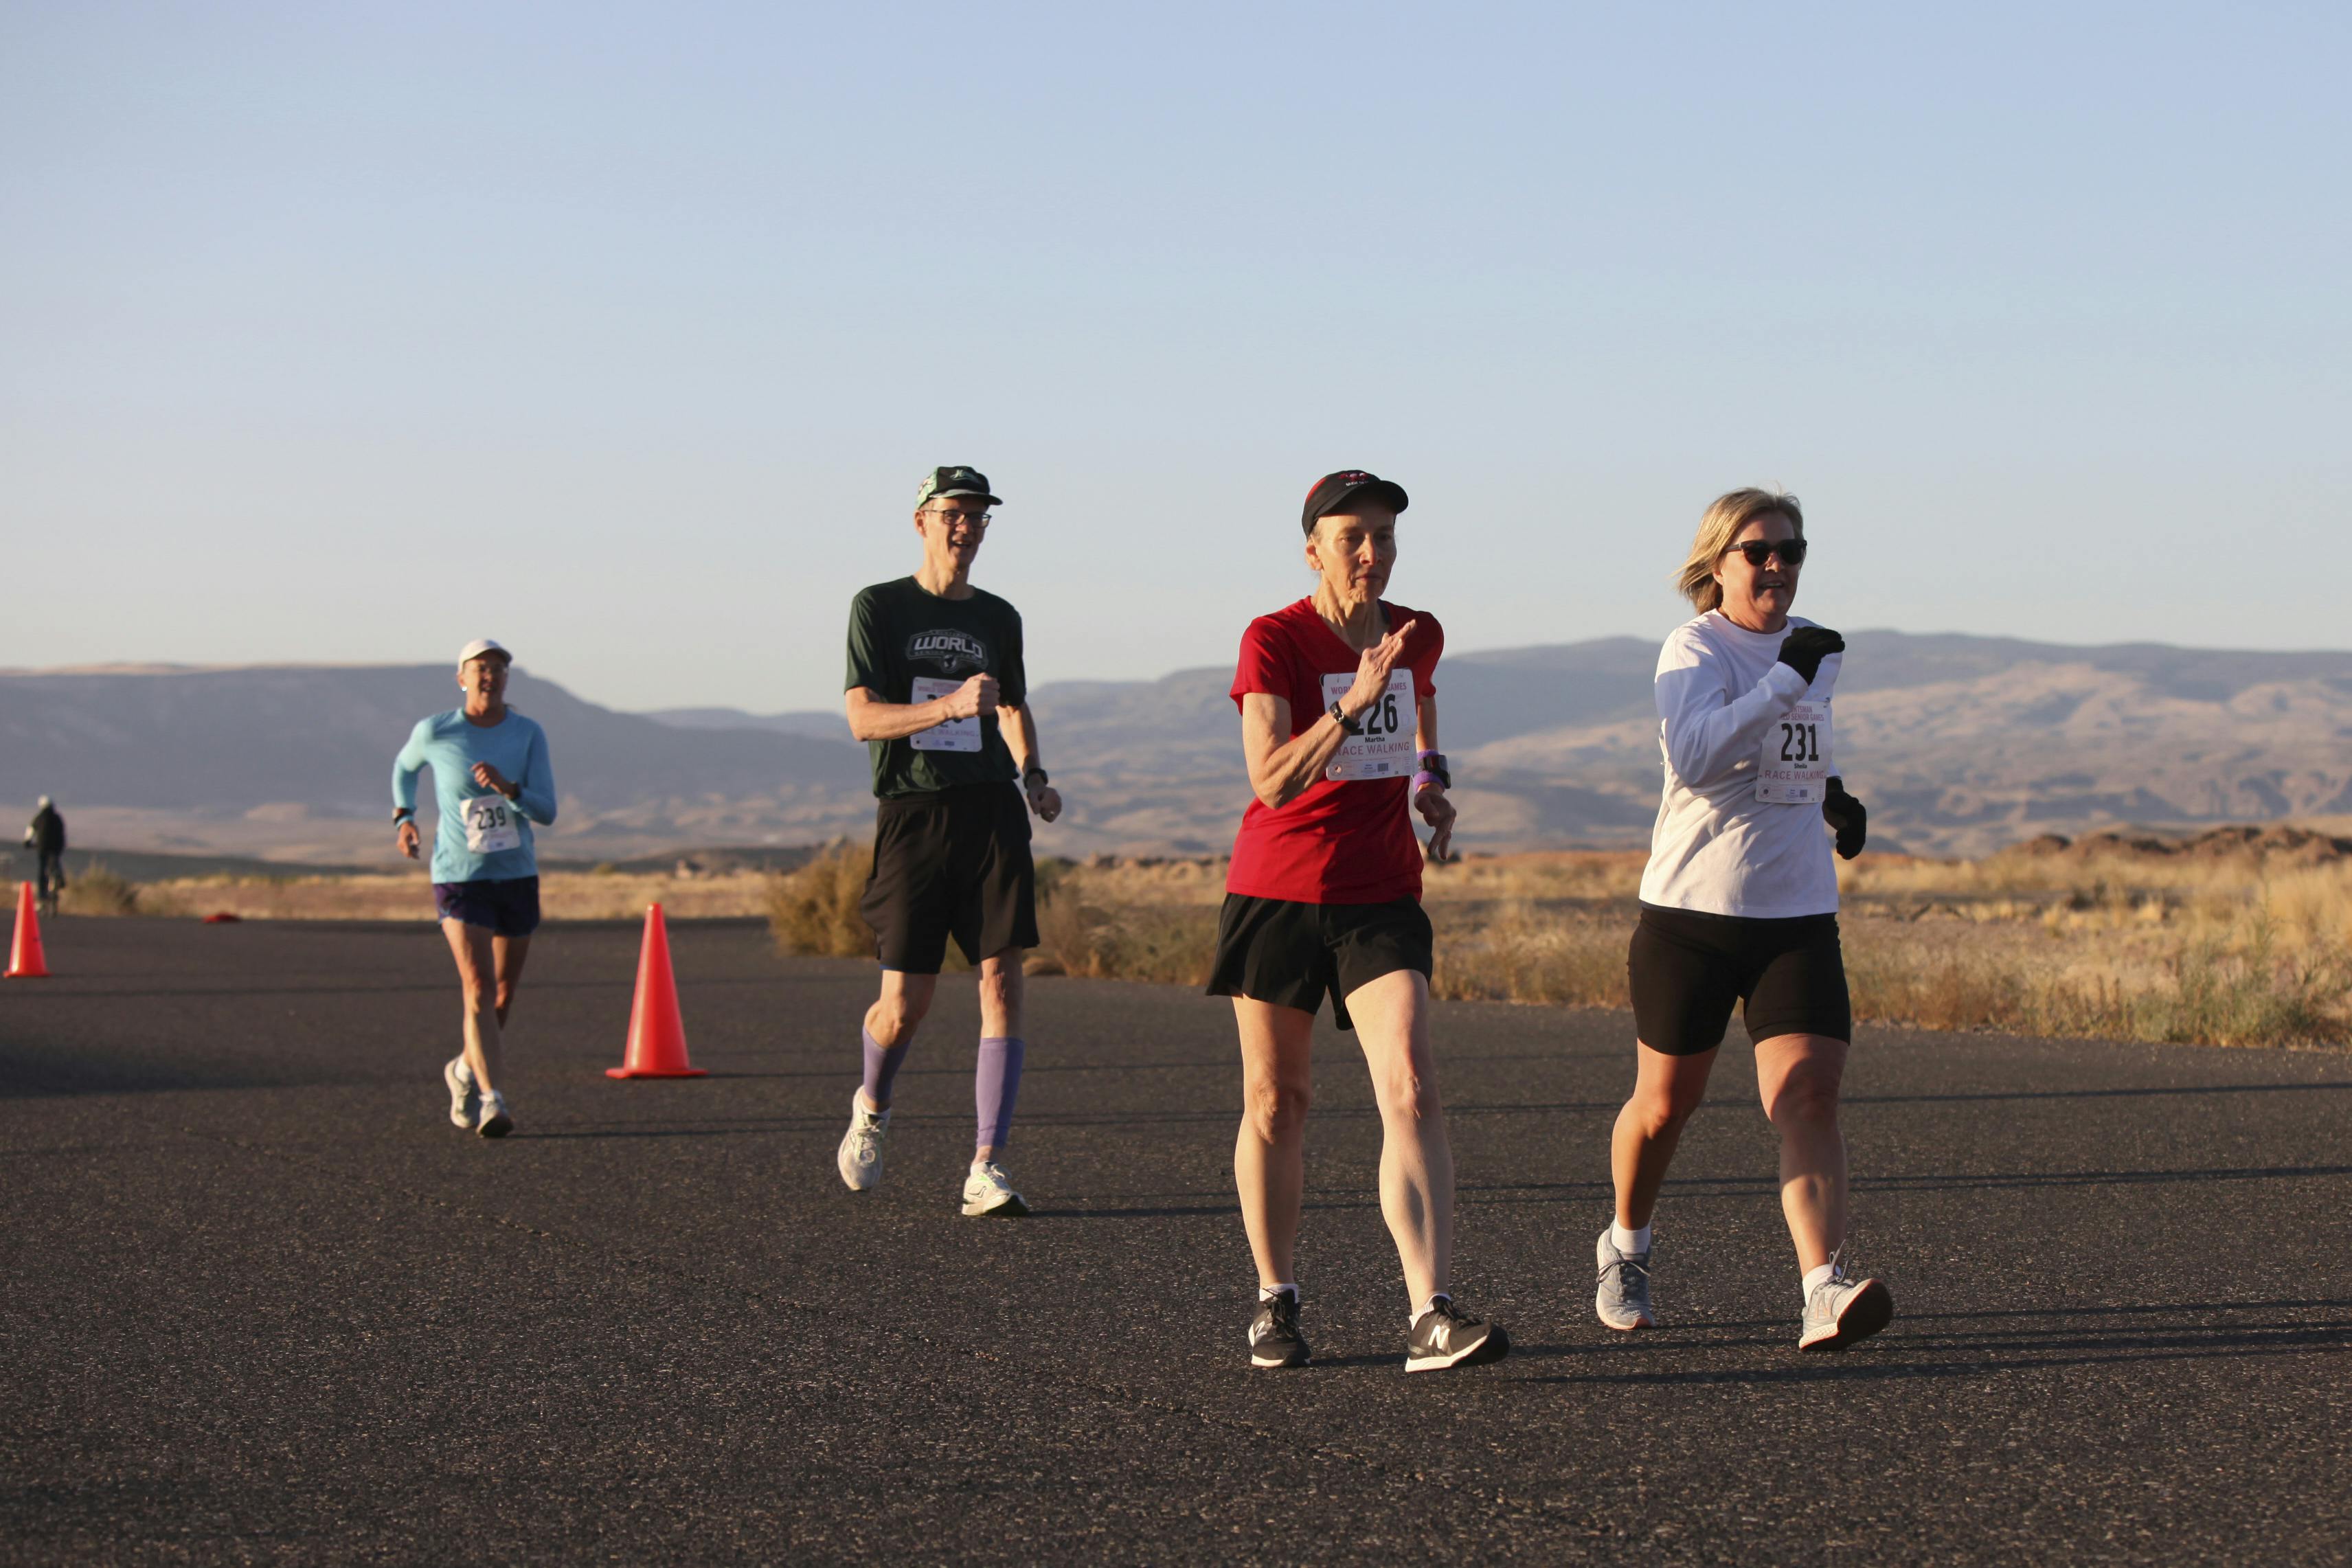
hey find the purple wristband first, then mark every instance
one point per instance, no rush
(1421, 778)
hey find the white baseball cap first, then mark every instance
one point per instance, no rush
(480, 646)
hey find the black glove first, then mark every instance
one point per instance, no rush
(1846, 815)
(1807, 646)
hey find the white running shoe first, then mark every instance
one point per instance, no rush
(495, 1122)
(860, 1159)
(465, 1102)
(988, 1193)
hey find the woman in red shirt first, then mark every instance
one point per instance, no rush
(1339, 724)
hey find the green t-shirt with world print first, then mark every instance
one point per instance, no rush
(908, 645)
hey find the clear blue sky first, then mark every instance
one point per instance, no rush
(345, 333)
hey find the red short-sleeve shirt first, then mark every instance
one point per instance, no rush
(1338, 842)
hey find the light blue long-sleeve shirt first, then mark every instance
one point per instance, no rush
(450, 746)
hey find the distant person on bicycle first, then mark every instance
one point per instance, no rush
(45, 835)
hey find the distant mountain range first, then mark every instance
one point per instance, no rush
(1959, 745)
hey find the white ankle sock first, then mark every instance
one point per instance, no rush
(1268, 1292)
(1813, 1278)
(1630, 1242)
(1427, 1306)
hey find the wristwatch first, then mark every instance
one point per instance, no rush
(403, 814)
(1339, 716)
(1037, 773)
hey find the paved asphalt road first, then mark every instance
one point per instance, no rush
(263, 1304)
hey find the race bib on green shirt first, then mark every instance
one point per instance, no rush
(951, 735)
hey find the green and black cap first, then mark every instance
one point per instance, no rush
(1334, 491)
(954, 480)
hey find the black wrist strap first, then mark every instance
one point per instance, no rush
(402, 814)
(1339, 716)
(1036, 772)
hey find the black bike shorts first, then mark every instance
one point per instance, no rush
(1688, 969)
(950, 863)
(1288, 953)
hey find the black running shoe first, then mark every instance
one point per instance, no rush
(1448, 1336)
(1273, 1336)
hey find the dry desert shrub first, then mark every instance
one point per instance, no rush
(1082, 932)
(1519, 953)
(97, 891)
(814, 911)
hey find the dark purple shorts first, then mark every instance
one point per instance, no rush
(508, 907)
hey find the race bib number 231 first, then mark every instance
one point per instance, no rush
(1793, 769)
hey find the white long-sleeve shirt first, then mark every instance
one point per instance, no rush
(1717, 849)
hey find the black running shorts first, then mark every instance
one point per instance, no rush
(1275, 950)
(950, 863)
(1689, 970)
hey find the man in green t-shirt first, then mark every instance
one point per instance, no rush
(937, 691)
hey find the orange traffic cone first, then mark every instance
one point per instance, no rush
(26, 960)
(656, 1034)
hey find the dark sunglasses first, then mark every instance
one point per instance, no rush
(1758, 551)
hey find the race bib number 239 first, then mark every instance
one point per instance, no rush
(490, 825)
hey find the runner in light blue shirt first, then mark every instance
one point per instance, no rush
(492, 779)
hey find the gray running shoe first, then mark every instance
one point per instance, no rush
(465, 1100)
(1840, 1312)
(495, 1121)
(859, 1160)
(1624, 1302)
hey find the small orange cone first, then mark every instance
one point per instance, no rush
(656, 1034)
(26, 960)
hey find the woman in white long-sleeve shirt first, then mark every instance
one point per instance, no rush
(1740, 908)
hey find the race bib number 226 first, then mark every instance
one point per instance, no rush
(1385, 749)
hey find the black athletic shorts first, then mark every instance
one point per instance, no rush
(950, 863)
(1275, 950)
(507, 906)
(1688, 969)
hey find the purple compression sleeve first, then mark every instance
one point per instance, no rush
(881, 1067)
(994, 1087)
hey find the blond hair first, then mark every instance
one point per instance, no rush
(1724, 520)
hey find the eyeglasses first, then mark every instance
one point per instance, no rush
(979, 520)
(1758, 551)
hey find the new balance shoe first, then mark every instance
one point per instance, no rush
(464, 1100)
(1624, 1302)
(860, 1159)
(1840, 1312)
(495, 1121)
(1273, 1336)
(1447, 1336)
(987, 1193)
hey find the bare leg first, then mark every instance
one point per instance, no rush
(1799, 1077)
(1001, 993)
(477, 972)
(510, 952)
(1667, 1090)
(898, 1013)
(1391, 1016)
(1270, 1152)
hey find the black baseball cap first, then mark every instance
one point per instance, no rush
(954, 480)
(1334, 491)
